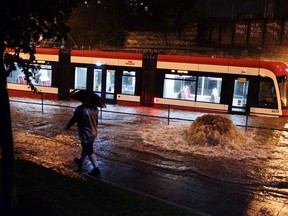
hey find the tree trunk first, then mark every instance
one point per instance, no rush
(6, 138)
(7, 149)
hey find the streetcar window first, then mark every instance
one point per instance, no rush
(16, 76)
(209, 89)
(267, 95)
(282, 81)
(128, 82)
(42, 76)
(179, 86)
(80, 78)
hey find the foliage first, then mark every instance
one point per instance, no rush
(26, 24)
(23, 26)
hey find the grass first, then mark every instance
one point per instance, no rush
(44, 192)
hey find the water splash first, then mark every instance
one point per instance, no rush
(214, 130)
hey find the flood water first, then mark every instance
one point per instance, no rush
(260, 159)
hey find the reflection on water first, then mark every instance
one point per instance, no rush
(167, 147)
(260, 160)
(260, 157)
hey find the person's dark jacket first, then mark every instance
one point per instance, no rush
(87, 121)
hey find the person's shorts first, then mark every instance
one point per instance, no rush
(87, 148)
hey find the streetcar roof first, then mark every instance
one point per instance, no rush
(278, 68)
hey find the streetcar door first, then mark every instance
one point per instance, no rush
(240, 92)
(97, 82)
(110, 85)
(104, 84)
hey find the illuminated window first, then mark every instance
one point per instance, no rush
(110, 84)
(80, 78)
(267, 95)
(184, 87)
(283, 87)
(97, 84)
(128, 82)
(41, 76)
(179, 86)
(209, 89)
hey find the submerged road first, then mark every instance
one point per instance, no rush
(145, 154)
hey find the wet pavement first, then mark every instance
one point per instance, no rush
(199, 194)
(142, 170)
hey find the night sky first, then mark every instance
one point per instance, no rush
(223, 8)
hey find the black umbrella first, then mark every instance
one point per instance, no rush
(87, 97)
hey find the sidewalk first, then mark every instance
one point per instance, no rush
(200, 195)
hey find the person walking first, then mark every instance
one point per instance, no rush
(86, 117)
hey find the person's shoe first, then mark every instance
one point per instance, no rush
(79, 164)
(95, 172)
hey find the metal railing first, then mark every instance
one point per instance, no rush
(168, 117)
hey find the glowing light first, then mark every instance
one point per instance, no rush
(98, 63)
(179, 71)
(40, 38)
(242, 80)
(262, 74)
(284, 101)
(40, 62)
(182, 72)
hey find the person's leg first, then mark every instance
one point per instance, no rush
(95, 171)
(79, 161)
(92, 158)
(83, 155)
(89, 151)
